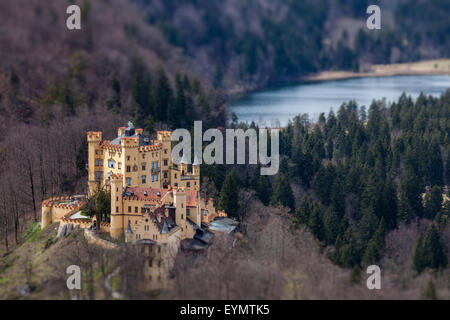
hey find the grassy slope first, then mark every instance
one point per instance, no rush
(32, 262)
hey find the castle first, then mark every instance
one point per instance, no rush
(154, 202)
(141, 162)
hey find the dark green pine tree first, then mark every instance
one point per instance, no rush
(430, 292)
(114, 102)
(282, 192)
(264, 189)
(410, 204)
(331, 226)
(140, 87)
(435, 167)
(162, 95)
(375, 246)
(229, 196)
(347, 254)
(315, 224)
(429, 252)
(178, 111)
(433, 202)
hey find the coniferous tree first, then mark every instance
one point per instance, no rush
(162, 95)
(430, 292)
(375, 246)
(282, 192)
(429, 252)
(229, 196)
(315, 224)
(331, 226)
(433, 202)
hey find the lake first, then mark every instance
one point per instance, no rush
(274, 107)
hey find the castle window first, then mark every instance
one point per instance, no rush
(153, 165)
(117, 209)
(117, 198)
(175, 175)
(157, 177)
(188, 212)
(119, 165)
(111, 163)
(153, 178)
(165, 151)
(150, 262)
(129, 209)
(135, 168)
(144, 179)
(156, 164)
(143, 167)
(101, 162)
(143, 156)
(165, 174)
(96, 162)
(159, 249)
(128, 168)
(165, 162)
(128, 181)
(136, 209)
(188, 184)
(128, 158)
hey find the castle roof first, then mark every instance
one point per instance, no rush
(144, 193)
(143, 141)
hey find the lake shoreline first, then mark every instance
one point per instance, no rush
(426, 67)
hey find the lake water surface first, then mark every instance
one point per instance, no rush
(274, 107)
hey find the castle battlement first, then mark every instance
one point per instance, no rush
(141, 161)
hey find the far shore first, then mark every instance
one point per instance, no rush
(426, 67)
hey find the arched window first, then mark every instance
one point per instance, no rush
(111, 163)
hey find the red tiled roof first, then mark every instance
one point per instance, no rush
(191, 198)
(152, 193)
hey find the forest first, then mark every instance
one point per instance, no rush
(357, 187)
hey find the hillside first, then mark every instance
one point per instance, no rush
(231, 45)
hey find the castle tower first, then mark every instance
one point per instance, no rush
(117, 216)
(46, 218)
(130, 151)
(164, 137)
(182, 166)
(94, 138)
(179, 201)
(196, 167)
